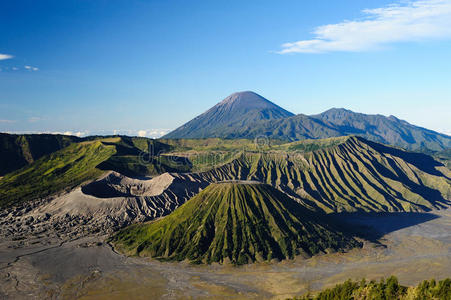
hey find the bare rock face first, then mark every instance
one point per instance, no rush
(117, 185)
(99, 207)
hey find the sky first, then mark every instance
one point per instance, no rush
(145, 67)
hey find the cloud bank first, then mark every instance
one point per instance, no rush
(150, 133)
(153, 133)
(410, 21)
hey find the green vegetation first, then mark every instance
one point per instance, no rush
(353, 175)
(389, 289)
(233, 222)
(206, 160)
(61, 170)
(210, 144)
(205, 154)
(313, 145)
(83, 161)
(221, 145)
(186, 146)
(332, 175)
(17, 151)
(136, 165)
(142, 157)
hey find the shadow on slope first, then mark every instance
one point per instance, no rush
(373, 226)
(102, 189)
(234, 223)
(422, 161)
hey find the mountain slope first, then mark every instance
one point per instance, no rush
(342, 122)
(387, 130)
(298, 127)
(248, 115)
(234, 112)
(19, 150)
(68, 168)
(61, 170)
(332, 175)
(341, 174)
(345, 174)
(233, 222)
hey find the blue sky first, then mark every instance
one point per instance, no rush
(143, 67)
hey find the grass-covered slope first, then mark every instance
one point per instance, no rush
(233, 222)
(346, 174)
(205, 154)
(133, 155)
(61, 170)
(19, 150)
(333, 175)
(87, 160)
(137, 156)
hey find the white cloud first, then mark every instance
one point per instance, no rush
(150, 133)
(409, 21)
(30, 68)
(5, 56)
(76, 133)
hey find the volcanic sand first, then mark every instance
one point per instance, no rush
(413, 247)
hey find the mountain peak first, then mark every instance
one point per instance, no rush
(228, 116)
(243, 94)
(248, 115)
(247, 99)
(335, 110)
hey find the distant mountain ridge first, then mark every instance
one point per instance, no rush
(248, 115)
(388, 130)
